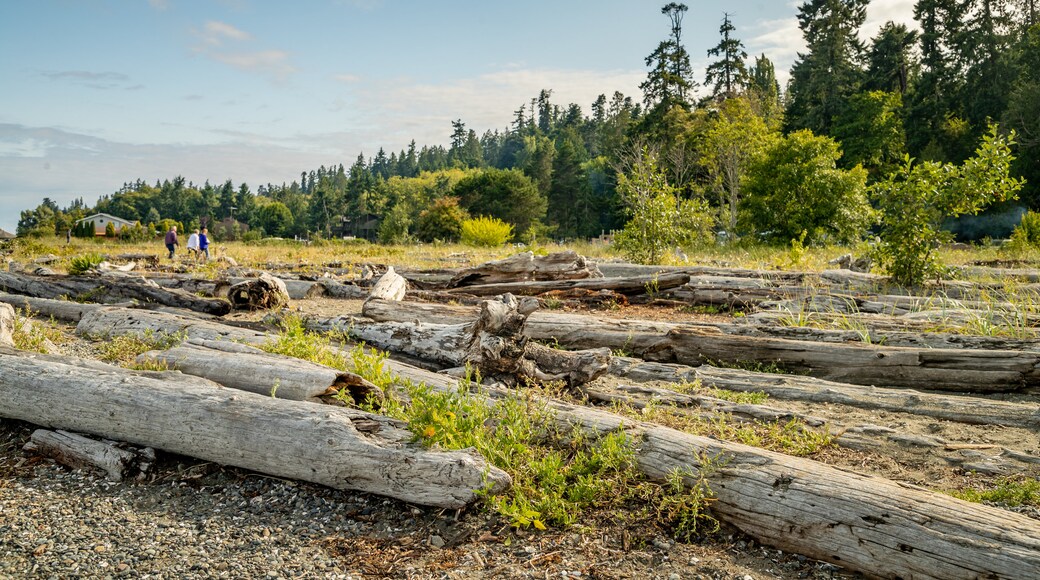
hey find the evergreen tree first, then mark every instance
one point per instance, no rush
(825, 77)
(764, 90)
(728, 75)
(890, 61)
(934, 97)
(670, 80)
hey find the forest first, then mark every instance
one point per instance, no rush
(864, 129)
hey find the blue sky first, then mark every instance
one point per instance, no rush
(99, 92)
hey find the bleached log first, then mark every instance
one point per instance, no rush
(335, 446)
(294, 289)
(337, 289)
(962, 409)
(247, 368)
(7, 325)
(627, 286)
(390, 286)
(79, 452)
(525, 266)
(104, 289)
(954, 369)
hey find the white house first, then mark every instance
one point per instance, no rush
(101, 221)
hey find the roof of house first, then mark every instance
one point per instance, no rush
(105, 215)
(6, 235)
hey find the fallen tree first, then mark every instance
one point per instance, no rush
(627, 286)
(953, 369)
(107, 289)
(335, 446)
(247, 368)
(79, 452)
(566, 265)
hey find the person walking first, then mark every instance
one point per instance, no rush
(204, 245)
(193, 245)
(171, 240)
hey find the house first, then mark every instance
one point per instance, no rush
(6, 235)
(101, 221)
(365, 226)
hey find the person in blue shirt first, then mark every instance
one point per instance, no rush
(204, 244)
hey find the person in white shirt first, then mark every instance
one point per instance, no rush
(193, 245)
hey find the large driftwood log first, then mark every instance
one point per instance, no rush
(525, 266)
(390, 286)
(247, 368)
(954, 369)
(962, 409)
(627, 286)
(104, 289)
(335, 446)
(79, 452)
(878, 527)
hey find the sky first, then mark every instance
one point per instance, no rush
(96, 93)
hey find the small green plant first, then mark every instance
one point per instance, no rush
(486, 232)
(652, 287)
(1008, 491)
(124, 349)
(33, 336)
(1026, 234)
(686, 501)
(81, 264)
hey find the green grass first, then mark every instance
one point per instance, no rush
(35, 336)
(123, 350)
(1007, 491)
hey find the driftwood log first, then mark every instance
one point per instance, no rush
(105, 289)
(953, 369)
(627, 286)
(526, 266)
(247, 368)
(867, 524)
(79, 452)
(262, 293)
(334, 446)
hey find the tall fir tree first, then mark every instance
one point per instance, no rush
(823, 78)
(727, 76)
(670, 80)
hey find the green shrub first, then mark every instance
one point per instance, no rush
(86, 262)
(486, 232)
(1027, 233)
(442, 221)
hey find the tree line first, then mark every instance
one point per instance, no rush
(853, 113)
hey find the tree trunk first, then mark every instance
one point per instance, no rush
(334, 446)
(103, 289)
(962, 409)
(526, 266)
(79, 452)
(628, 286)
(953, 369)
(391, 286)
(243, 367)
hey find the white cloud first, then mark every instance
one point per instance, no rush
(214, 35)
(160, 5)
(347, 78)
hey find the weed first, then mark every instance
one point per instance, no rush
(1008, 491)
(33, 336)
(685, 501)
(85, 263)
(124, 349)
(552, 303)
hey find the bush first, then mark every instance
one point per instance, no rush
(486, 232)
(916, 199)
(442, 221)
(85, 263)
(1026, 234)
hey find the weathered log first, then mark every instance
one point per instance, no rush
(263, 293)
(335, 446)
(337, 289)
(294, 289)
(526, 266)
(962, 409)
(103, 289)
(867, 524)
(151, 259)
(391, 286)
(954, 369)
(7, 325)
(628, 286)
(247, 368)
(79, 452)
